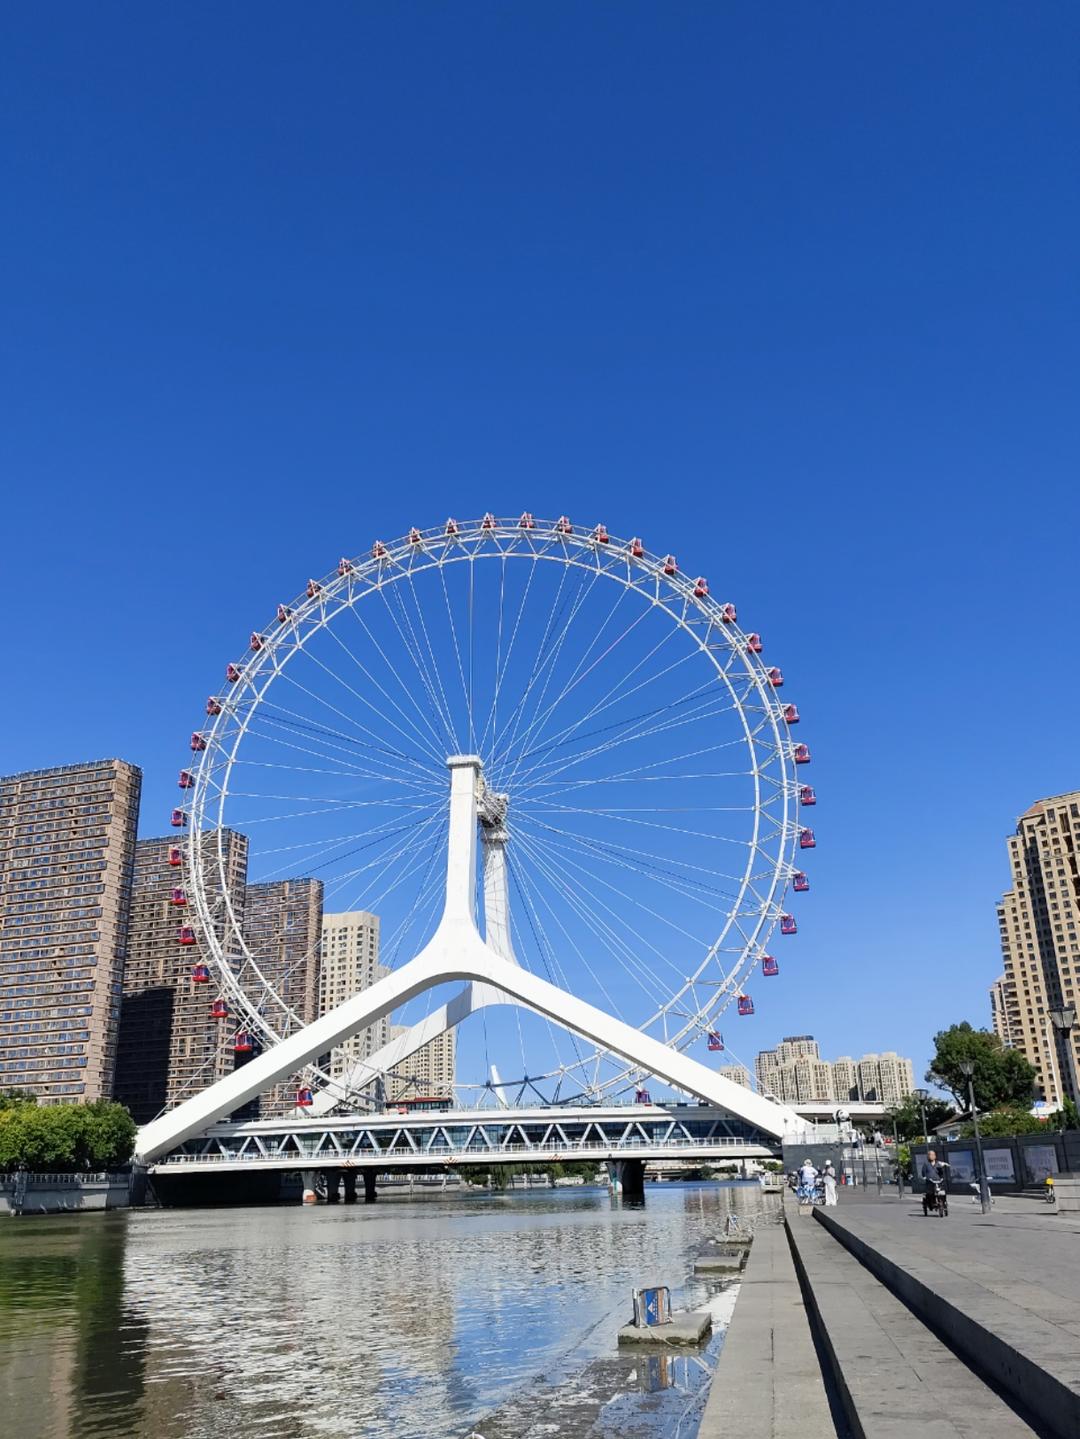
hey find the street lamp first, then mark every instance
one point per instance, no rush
(1064, 1022)
(967, 1069)
(922, 1095)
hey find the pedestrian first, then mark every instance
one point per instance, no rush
(807, 1180)
(829, 1179)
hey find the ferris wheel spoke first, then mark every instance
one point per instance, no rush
(319, 747)
(393, 600)
(469, 718)
(380, 746)
(541, 714)
(417, 736)
(492, 713)
(435, 665)
(500, 676)
(434, 744)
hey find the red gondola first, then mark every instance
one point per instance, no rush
(487, 523)
(414, 536)
(200, 974)
(563, 526)
(715, 1040)
(174, 856)
(806, 839)
(642, 1096)
(242, 1043)
(186, 935)
(600, 535)
(178, 897)
(344, 567)
(807, 795)
(801, 754)
(636, 548)
(178, 819)
(313, 589)
(769, 966)
(197, 742)
(526, 522)
(213, 706)
(284, 614)
(728, 613)
(753, 643)
(232, 673)
(669, 565)
(304, 1099)
(257, 640)
(219, 1009)
(701, 587)
(791, 714)
(788, 925)
(775, 677)
(746, 1004)
(186, 780)
(378, 551)
(451, 527)
(799, 882)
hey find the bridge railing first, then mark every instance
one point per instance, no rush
(445, 1153)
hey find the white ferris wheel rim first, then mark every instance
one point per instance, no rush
(702, 619)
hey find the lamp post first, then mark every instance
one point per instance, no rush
(896, 1153)
(922, 1095)
(1064, 1022)
(967, 1069)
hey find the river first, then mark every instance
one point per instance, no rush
(407, 1319)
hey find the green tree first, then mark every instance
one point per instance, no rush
(1002, 1076)
(65, 1137)
(1008, 1119)
(1067, 1117)
(907, 1116)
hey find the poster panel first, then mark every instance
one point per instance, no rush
(999, 1165)
(962, 1165)
(1040, 1160)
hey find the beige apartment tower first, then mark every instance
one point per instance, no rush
(1039, 923)
(795, 1073)
(170, 1044)
(67, 849)
(283, 930)
(427, 1073)
(350, 963)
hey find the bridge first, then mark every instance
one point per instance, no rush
(610, 1134)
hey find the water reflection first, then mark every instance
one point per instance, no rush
(411, 1319)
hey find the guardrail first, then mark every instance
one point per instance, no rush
(554, 1152)
(51, 1179)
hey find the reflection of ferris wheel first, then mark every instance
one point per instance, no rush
(637, 789)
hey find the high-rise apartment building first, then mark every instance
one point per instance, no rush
(170, 1044)
(845, 1078)
(350, 963)
(1002, 1010)
(795, 1073)
(885, 1078)
(428, 1072)
(770, 1062)
(1039, 923)
(67, 848)
(283, 929)
(737, 1073)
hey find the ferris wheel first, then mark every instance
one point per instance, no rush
(640, 796)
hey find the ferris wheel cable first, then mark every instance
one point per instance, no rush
(410, 646)
(501, 676)
(492, 716)
(356, 767)
(550, 664)
(457, 655)
(288, 673)
(518, 737)
(325, 735)
(433, 743)
(624, 956)
(624, 950)
(624, 818)
(552, 1029)
(416, 654)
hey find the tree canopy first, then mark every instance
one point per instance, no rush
(62, 1138)
(908, 1116)
(1002, 1076)
(1009, 1119)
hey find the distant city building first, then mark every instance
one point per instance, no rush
(1002, 1004)
(795, 1073)
(737, 1073)
(170, 1044)
(1039, 924)
(283, 930)
(430, 1071)
(67, 848)
(350, 963)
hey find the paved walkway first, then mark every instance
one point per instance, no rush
(1004, 1288)
(768, 1383)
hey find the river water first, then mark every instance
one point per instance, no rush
(408, 1319)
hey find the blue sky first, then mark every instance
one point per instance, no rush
(791, 291)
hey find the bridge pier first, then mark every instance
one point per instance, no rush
(369, 1186)
(333, 1181)
(348, 1179)
(307, 1179)
(626, 1179)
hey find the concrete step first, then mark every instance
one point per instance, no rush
(893, 1374)
(768, 1382)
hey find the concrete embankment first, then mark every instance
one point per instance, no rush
(29, 1194)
